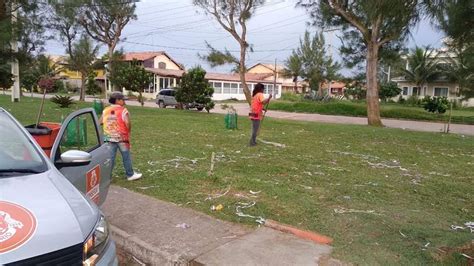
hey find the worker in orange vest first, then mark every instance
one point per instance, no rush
(117, 127)
(256, 114)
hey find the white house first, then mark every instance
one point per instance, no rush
(228, 86)
(441, 87)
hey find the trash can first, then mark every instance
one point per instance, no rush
(98, 107)
(230, 120)
(45, 134)
(76, 133)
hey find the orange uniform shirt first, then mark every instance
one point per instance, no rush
(257, 106)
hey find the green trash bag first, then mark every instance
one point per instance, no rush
(230, 120)
(76, 133)
(98, 107)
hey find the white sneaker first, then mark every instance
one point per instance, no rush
(135, 176)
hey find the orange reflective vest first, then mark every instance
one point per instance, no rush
(115, 128)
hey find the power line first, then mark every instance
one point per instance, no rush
(202, 49)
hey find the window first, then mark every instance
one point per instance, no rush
(251, 86)
(217, 87)
(161, 65)
(227, 88)
(268, 89)
(162, 83)
(441, 92)
(415, 91)
(405, 90)
(80, 134)
(234, 88)
(16, 150)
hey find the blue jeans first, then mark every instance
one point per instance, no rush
(126, 158)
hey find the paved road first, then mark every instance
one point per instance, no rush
(242, 110)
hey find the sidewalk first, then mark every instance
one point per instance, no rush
(147, 229)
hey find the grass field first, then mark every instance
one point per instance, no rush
(347, 108)
(386, 196)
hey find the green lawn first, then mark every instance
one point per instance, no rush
(396, 111)
(386, 196)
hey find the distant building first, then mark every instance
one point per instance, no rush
(71, 77)
(167, 74)
(228, 86)
(287, 83)
(166, 71)
(441, 87)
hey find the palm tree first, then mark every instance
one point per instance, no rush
(84, 54)
(293, 68)
(422, 67)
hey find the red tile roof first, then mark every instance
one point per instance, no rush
(334, 84)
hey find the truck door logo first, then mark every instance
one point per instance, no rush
(17, 226)
(93, 184)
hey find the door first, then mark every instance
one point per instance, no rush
(80, 131)
(172, 98)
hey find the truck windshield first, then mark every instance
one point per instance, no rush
(18, 156)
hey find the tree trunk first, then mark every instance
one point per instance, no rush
(142, 102)
(373, 106)
(242, 71)
(82, 95)
(296, 85)
(110, 68)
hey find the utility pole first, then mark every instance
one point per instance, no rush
(14, 62)
(275, 73)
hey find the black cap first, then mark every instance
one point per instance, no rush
(116, 95)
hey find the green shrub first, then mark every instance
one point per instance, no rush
(388, 91)
(413, 101)
(63, 101)
(436, 105)
(401, 100)
(291, 97)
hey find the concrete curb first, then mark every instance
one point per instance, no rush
(143, 251)
(308, 235)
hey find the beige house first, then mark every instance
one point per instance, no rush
(166, 72)
(287, 84)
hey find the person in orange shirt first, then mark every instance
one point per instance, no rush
(256, 114)
(116, 121)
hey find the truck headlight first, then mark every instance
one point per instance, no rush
(97, 241)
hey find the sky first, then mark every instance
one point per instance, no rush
(181, 30)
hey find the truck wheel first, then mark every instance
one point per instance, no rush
(200, 109)
(161, 104)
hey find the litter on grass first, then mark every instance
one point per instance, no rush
(242, 205)
(279, 145)
(211, 170)
(217, 207)
(148, 187)
(306, 187)
(216, 196)
(467, 225)
(255, 192)
(344, 210)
